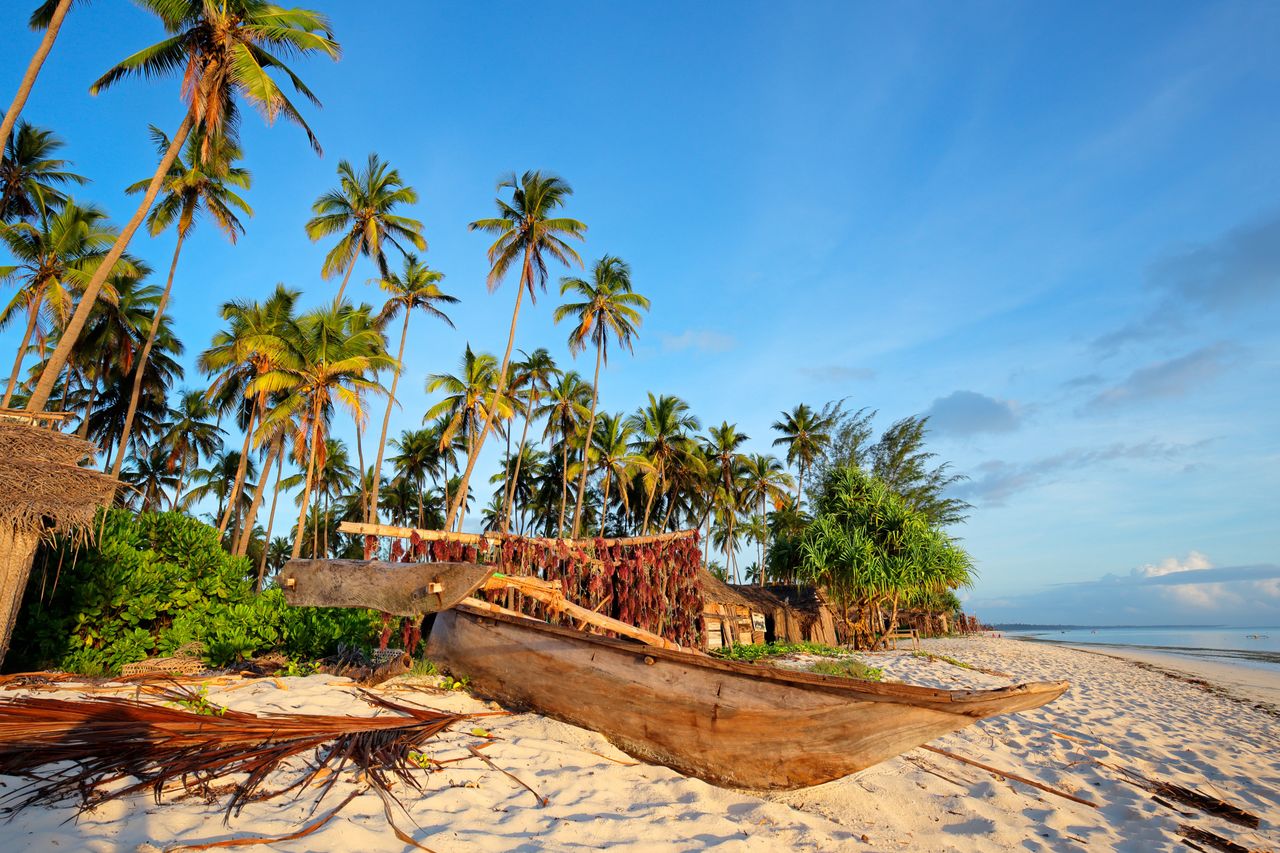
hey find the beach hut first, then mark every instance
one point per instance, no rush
(727, 616)
(792, 613)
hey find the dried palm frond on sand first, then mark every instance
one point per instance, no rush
(107, 748)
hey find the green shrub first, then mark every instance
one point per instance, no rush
(153, 582)
(759, 651)
(847, 668)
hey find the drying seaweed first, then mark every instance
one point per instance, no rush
(1186, 796)
(1217, 842)
(108, 748)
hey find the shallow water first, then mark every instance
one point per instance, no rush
(1229, 645)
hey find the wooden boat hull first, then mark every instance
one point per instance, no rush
(728, 723)
(406, 589)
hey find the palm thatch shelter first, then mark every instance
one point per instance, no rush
(728, 618)
(792, 613)
(43, 491)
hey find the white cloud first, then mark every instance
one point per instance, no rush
(1194, 561)
(702, 340)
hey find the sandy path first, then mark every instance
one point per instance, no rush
(1120, 713)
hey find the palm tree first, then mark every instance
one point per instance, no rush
(533, 375)
(609, 308)
(360, 209)
(416, 288)
(56, 258)
(662, 433)
(529, 233)
(721, 446)
(565, 411)
(203, 182)
(217, 479)
(325, 357)
(612, 439)
(48, 17)
(31, 176)
(806, 435)
(149, 476)
(188, 434)
(224, 50)
(417, 457)
(763, 480)
(251, 347)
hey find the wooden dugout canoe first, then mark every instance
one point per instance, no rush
(728, 723)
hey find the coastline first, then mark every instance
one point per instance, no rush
(1250, 683)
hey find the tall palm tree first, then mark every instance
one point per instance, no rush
(188, 434)
(721, 445)
(609, 308)
(612, 439)
(534, 374)
(56, 257)
(31, 178)
(223, 50)
(764, 480)
(528, 233)
(327, 357)
(47, 16)
(150, 476)
(203, 182)
(250, 347)
(361, 210)
(417, 457)
(565, 411)
(662, 430)
(805, 434)
(417, 287)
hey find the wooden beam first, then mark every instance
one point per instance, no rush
(549, 594)
(362, 529)
(407, 589)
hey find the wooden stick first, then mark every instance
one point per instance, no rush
(548, 593)
(496, 608)
(363, 529)
(1009, 775)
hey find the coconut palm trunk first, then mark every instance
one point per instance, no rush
(372, 514)
(306, 487)
(526, 280)
(515, 477)
(241, 546)
(364, 488)
(564, 484)
(33, 69)
(346, 277)
(271, 520)
(33, 316)
(142, 359)
(66, 343)
(586, 445)
(242, 467)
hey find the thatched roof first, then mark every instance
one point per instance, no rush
(716, 591)
(42, 486)
(803, 599)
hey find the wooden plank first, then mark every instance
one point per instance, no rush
(548, 592)
(406, 589)
(362, 529)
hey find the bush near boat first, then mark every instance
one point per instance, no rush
(154, 582)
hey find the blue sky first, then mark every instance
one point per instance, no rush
(1053, 227)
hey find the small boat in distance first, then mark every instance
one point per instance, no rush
(1257, 636)
(725, 722)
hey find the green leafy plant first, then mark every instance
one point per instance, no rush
(154, 582)
(943, 658)
(847, 668)
(778, 648)
(198, 703)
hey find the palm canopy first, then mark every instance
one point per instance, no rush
(32, 179)
(609, 307)
(226, 49)
(204, 178)
(469, 399)
(526, 229)
(361, 211)
(806, 435)
(417, 287)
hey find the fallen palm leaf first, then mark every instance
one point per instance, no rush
(114, 747)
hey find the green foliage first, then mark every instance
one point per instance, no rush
(943, 658)
(154, 582)
(847, 668)
(424, 666)
(198, 703)
(778, 648)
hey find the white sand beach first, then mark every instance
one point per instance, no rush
(1118, 716)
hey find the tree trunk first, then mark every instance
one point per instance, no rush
(33, 316)
(246, 531)
(306, 488)
(648, 504)
(364, 486)
(515, 478)
(800, 488)
(586, 445)
(526, 279)
(604, 500)
(564, 483)
(386, 422)
(17, 550)
(29, 80)
(351, 266)
(271, 520)
(83, 431)
(70, 335)
(142, 359)
(241, 468)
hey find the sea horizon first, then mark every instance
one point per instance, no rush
(1256, 646)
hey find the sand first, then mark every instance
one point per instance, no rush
(1201, 736)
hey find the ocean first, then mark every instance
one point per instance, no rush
(1248, 646)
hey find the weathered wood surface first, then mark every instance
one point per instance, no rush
(360, 528)
(407, 589)
(725, 722)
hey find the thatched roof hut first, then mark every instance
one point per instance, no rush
(792, 613)
(727, 616)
